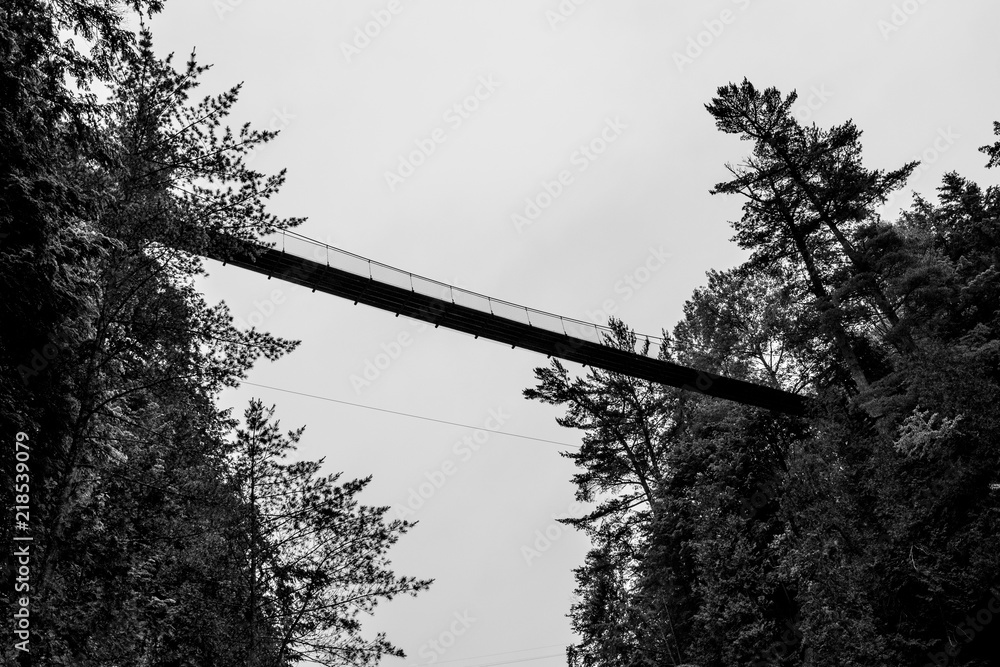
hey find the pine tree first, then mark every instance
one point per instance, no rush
(807, 199)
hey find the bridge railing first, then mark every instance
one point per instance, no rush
(317, 251)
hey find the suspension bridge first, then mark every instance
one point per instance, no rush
(310, 263)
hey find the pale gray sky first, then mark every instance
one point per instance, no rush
(534, 81)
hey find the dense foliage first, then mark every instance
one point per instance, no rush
(157, 534)
(865, 533)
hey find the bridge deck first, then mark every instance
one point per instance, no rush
(479, 322)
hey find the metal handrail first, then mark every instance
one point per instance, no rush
(603, 332)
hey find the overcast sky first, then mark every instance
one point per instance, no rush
(426, 143)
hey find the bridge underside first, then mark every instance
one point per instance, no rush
(441, 312)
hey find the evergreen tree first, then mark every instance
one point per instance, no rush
(864, 533)
(313, 558)
(808, 197)
(115, 367)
